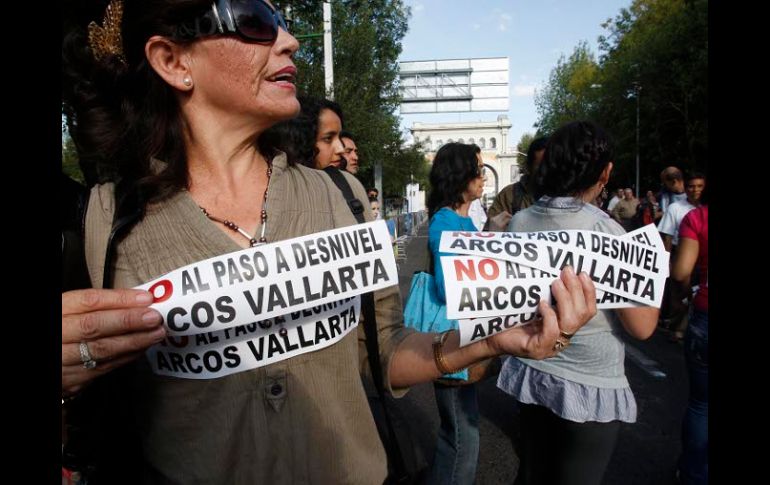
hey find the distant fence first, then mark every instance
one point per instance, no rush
(406, 224)
(401, 228)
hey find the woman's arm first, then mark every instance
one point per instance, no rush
(639, 322)
(684, 262)
(414, 363)
(686, 256)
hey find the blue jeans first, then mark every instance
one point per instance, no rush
(457, 449)
(693, 464)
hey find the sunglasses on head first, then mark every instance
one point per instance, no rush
(251, 20)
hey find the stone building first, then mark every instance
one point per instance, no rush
(490, 136)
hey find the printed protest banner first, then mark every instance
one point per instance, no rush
(275, 279)
(647, 235)
(484, 287)
(478, 287)
(475, 329)
(616, 264)
(481, 287)
(217, 354)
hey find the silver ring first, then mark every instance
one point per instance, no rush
(85, 356)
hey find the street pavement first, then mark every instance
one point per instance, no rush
(647, 450)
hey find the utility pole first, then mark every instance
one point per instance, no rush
(637, 89)
(378, 182)
(328, 55)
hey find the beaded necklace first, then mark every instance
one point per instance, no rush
(233, 226)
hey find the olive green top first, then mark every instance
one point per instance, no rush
(299, 421)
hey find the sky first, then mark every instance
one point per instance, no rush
(532, 33)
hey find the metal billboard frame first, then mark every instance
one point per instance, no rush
(454, 85)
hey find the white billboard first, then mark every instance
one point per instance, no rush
(454, 85)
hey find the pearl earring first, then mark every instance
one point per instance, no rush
(187, 81)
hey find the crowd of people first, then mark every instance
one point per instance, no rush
(186, 127)
(194, 144)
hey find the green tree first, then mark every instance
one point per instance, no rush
(69, 159)
(366, 43)
(412, 167)
(568, 94)
(661, 45)
(522, 147)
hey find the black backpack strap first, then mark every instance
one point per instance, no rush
(373, 355)
(356, 207)
(370, 330)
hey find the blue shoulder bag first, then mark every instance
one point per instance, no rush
(424, 311)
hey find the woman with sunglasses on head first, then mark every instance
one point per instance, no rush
(166, 101)
(571, 405)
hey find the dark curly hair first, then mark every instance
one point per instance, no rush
(297, 136)
(121, 115)
(454, 167)
(574, 158)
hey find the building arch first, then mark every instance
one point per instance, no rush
(497, 176)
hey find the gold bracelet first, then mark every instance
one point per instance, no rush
(438, 355)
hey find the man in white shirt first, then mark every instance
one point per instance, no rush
(672, 217)
(617, 197)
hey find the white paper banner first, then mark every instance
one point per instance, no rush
(475, 329)
(218, 354)
(647, 235)
(616, 264)
(275, 279)
(479, 328)
(485, 287)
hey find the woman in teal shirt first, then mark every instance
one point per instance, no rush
(457, 179)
